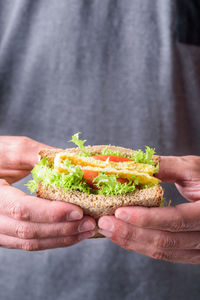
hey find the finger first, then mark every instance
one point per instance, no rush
(42, 244)
(12, 176)
(16, 204)
(172, 168)
(19, 152)
(180, 256)
(31, 158)
(127, 241)
(183, 217)
(27, 230)
(150, 238)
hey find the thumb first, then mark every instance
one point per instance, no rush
(171, 169)
(31, 157)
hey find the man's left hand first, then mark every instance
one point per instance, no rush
(167, 233)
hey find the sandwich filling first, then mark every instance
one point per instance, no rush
(108, 173)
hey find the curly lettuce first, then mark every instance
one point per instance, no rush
(139, 156)
(80, 143)
(165, 203)
(106, 151)
(45, 174)
(108, 185)
(144, 157)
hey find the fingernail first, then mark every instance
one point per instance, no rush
(86, 235)
(86, 226)
(74, 215)
(105, 233)
(105, 223)
(122, 215)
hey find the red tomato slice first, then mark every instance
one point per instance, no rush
(111, 158)
(89, 176)
(122, 180)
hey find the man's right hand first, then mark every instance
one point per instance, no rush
(32, 223)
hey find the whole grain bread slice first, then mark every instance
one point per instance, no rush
(99, 205)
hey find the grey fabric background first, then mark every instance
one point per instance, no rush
(113, 70)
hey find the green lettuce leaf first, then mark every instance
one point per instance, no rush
(165, 203)
(144, 157)
(43, 173)
(80, 143)
(149, 185)
(108, 185)
(32, 186)
(106, 151)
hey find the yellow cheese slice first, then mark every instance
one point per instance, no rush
(129, 170)
(90, 161)
(143, 178)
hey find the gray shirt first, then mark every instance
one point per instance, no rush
(115, 71)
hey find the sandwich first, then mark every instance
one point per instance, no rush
(98, 178)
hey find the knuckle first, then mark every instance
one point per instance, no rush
(65, 241)
(55, 217)
(60, 231)
(179, 224)
(19, 145)
(127, 234)
(30, 246)
(164, 241)
(16, 212)
(196, 245)
(23, 231)
(19, 213)
(161, 255)
(126, 244)
(56, 214)
(69, 229)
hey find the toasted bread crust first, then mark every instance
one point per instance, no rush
(99, 205)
